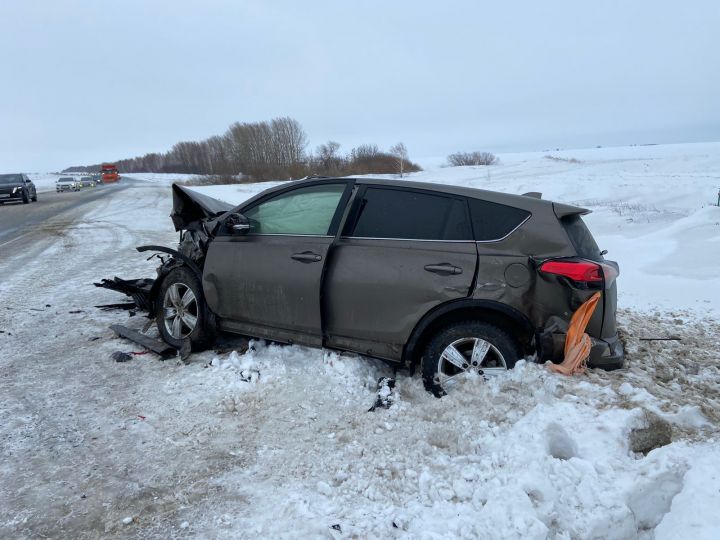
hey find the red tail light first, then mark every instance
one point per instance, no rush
(582, 271)
(585, 271)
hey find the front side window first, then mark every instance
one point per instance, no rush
(307, 211)
(412, 215)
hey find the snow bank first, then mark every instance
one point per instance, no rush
(164, 179)
(529, 454)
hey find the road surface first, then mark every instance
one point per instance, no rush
(20, 221)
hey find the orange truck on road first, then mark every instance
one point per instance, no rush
(109, 173)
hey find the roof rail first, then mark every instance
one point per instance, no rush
(314, 177)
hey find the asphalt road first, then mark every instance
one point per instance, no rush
(20, 222)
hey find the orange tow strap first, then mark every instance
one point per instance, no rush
(577, 342)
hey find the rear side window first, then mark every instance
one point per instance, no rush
(580, 237)
(493, 221)
(407, 214)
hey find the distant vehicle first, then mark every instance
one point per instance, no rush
(67, 183)
(109, 173)
(97, 177)
(17, 187)
(87, 181)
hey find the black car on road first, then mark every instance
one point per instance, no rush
(17, 187)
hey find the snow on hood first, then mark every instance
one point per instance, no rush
(190, 206)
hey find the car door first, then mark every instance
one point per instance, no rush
(266, 283)
(403, 252)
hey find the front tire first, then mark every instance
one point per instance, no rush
(467, 347)
(181, 312)
(25, 198)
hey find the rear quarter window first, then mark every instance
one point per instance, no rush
(493, 221)
(580, 237)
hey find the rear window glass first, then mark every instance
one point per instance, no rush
(407, 214)
(580, 237)
(493, 221)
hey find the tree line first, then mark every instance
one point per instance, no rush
(267, 150)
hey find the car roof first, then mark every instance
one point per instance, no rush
(525, 202)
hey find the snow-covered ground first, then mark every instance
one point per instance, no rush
(165, 179)
(277, 441)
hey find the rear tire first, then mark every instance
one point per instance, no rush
(34, 199)
(181, 313)
(467, 346)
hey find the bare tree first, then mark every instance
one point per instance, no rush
(328, 158)
(460, 159)
(401, 156)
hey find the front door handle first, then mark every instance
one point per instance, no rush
(306, 257)
(444, 269)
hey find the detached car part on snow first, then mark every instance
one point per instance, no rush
(456, 278)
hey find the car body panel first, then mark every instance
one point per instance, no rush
(255, 280)
(376, 290)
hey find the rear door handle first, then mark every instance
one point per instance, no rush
(306, 257)
(444, 269)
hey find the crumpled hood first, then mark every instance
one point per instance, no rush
(190, 206)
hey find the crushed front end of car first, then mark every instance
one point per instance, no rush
(196, 217)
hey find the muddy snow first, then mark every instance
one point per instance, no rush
(262, 440)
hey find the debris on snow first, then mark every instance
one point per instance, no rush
(385, 395)
(156, 346)
(120, 356)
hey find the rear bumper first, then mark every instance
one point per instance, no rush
(606, 353)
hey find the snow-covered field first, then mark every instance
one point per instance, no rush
(277, 441)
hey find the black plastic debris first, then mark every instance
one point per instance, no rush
(156, 346)
(336, 527)
(120, 356)
(124, 305)
(385, 395)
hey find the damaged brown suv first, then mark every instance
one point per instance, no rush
(448, 278)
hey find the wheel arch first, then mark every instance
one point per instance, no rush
(178, 260)
(497, 313)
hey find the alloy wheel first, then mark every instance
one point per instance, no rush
(469, 355)
(180, 310)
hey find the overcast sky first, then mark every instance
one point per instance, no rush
(86, 81)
